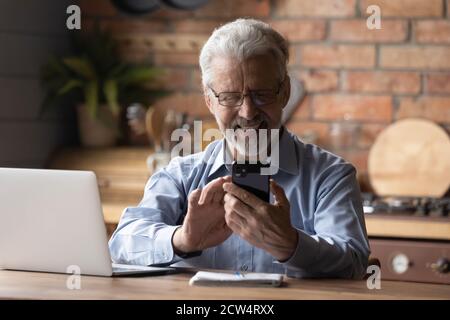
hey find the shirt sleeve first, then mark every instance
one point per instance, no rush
(339, 247)
(144, 234)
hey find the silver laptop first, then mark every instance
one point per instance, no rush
(52, 221)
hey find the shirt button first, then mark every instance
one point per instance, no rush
(244, 267)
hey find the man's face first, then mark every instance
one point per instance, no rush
(256, 73)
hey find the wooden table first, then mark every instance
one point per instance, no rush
(34, 285)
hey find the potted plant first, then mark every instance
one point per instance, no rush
(99, 84)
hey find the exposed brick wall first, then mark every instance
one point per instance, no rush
(367, 78)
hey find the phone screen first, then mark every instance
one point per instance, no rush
(249, 177)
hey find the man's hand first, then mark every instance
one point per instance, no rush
(204, 225)
(261, 224)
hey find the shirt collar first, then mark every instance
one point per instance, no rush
(288, 160)
(219, 160)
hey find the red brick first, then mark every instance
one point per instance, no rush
(352, 107)
(381, 82)
(176, 59)
(357, 31)
(171, 79)
(293, 60)
(315, 8)
(307, 128)
(196, 26)
(358, 158)
(196, 80)
(135, 56)
(300, 30)
(405, 8)
(433, 108)
(303, 111)
(412, 57)
(338, 56)
(87, 24)
(318, 80)
(133, 51)
(313, 80)
(98, 8)
(133, 26)
(367, 135)
(191, 103)
(167, 13)
(234, 9)
(343, 135)
(437, 83)
(432, 31)
(163, 42)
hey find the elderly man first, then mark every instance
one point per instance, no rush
(193, 215)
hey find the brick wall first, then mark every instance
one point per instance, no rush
(363, 78)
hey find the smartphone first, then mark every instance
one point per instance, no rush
(248, 176)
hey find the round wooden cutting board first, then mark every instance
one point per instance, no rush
(411, 157)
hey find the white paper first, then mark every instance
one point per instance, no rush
(236, 279)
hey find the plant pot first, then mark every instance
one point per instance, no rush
(99, 132)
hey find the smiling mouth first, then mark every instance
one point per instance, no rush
(261, 125)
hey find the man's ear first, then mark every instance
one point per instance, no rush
(286, 92)
(208, 101)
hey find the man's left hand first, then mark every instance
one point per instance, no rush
(262, 224)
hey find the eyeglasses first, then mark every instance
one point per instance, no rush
(259, 98)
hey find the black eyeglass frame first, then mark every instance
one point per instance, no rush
(249, 93)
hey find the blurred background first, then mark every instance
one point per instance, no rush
(136, 73)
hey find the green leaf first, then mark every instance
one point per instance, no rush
(95, 74)
(54, 68)
(71, 84)
(117, 70)
(91, 98)
(47, 104)
(81, 67)
(110, 91)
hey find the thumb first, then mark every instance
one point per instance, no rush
(278, 192)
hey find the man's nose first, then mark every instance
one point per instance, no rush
(248, 110)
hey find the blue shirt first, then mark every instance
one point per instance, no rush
(326, 210)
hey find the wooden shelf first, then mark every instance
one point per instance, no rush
(408, 227)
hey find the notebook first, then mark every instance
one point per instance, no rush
(206, 278)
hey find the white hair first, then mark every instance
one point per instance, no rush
(242, 39)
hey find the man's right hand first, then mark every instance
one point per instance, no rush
(204, 225)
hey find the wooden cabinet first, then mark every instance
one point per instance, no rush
(121, 174)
